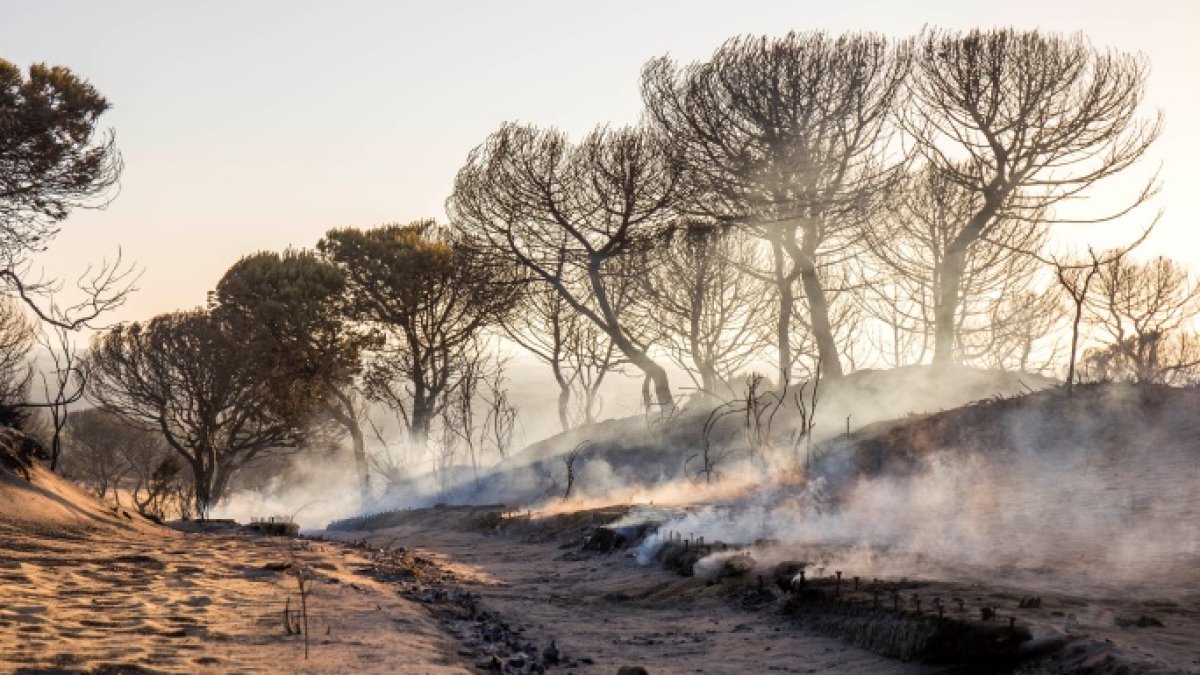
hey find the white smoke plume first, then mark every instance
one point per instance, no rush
(1105, 499)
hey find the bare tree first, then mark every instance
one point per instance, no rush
(16, 340)
(1075, 277)
(579, 354)
(911, 243)
(708, 308)
(51, 163)
(111, 457)
(1027, 123)
(94, 454)
(568, 459)
(65, 384)
(785, 136)
(569, 215)
(762, 410)
(1022, 325)
(429, 297)
(462, 411)
(898, 321)
(1144, 309)
(500, 418)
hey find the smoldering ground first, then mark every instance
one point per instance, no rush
(1098, 490)
(637, 459)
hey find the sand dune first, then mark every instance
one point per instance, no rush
(87, 587)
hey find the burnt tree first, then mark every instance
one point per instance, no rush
(189, 377)
(785, 136)
(1027, 123)
(569, 216)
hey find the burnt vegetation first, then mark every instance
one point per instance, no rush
(807, 205)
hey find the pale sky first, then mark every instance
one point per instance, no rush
(259, 125)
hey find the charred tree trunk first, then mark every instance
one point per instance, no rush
(564, 394)
(636, 355)
(783, 322)
(946, 304)
(202, 480)
(804, 262)
(818, 308)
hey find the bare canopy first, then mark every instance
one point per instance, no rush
(1026, 123)
(568, 215)
(785, 135)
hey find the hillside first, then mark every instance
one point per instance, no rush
(34, 499)
(1098, 489)
(633, 458)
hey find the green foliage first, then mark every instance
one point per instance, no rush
(48, 160)
(291, 307)
(428, 297)
(394, 271)
(189, 376)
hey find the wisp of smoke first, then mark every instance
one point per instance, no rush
(1094, 508)
(313, 495)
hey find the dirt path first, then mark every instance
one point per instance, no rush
(164, 602)
(604, 611)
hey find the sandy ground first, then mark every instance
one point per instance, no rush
(160, 601)
(90, 588)
(604, 611)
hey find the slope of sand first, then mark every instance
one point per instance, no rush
(46, 503)
(83, 588)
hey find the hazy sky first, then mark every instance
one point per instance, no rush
(252, 125)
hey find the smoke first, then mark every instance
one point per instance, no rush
(635, 460)
(313, 492)
(1098, 492)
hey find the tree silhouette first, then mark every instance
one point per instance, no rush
(188, 376)
(292, 307)
(785, 135)
(51, 162)
(429, 297)
(1026, 123)
(569, 215)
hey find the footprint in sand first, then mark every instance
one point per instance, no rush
(198, 601)
(27, 614)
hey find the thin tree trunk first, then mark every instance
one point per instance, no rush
(783, 322)
(1074, 346)
(344, 413)
(564, 395)
(946, 305)
(818, 308)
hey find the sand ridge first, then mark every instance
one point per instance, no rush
(89, 587)
(166, 602)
